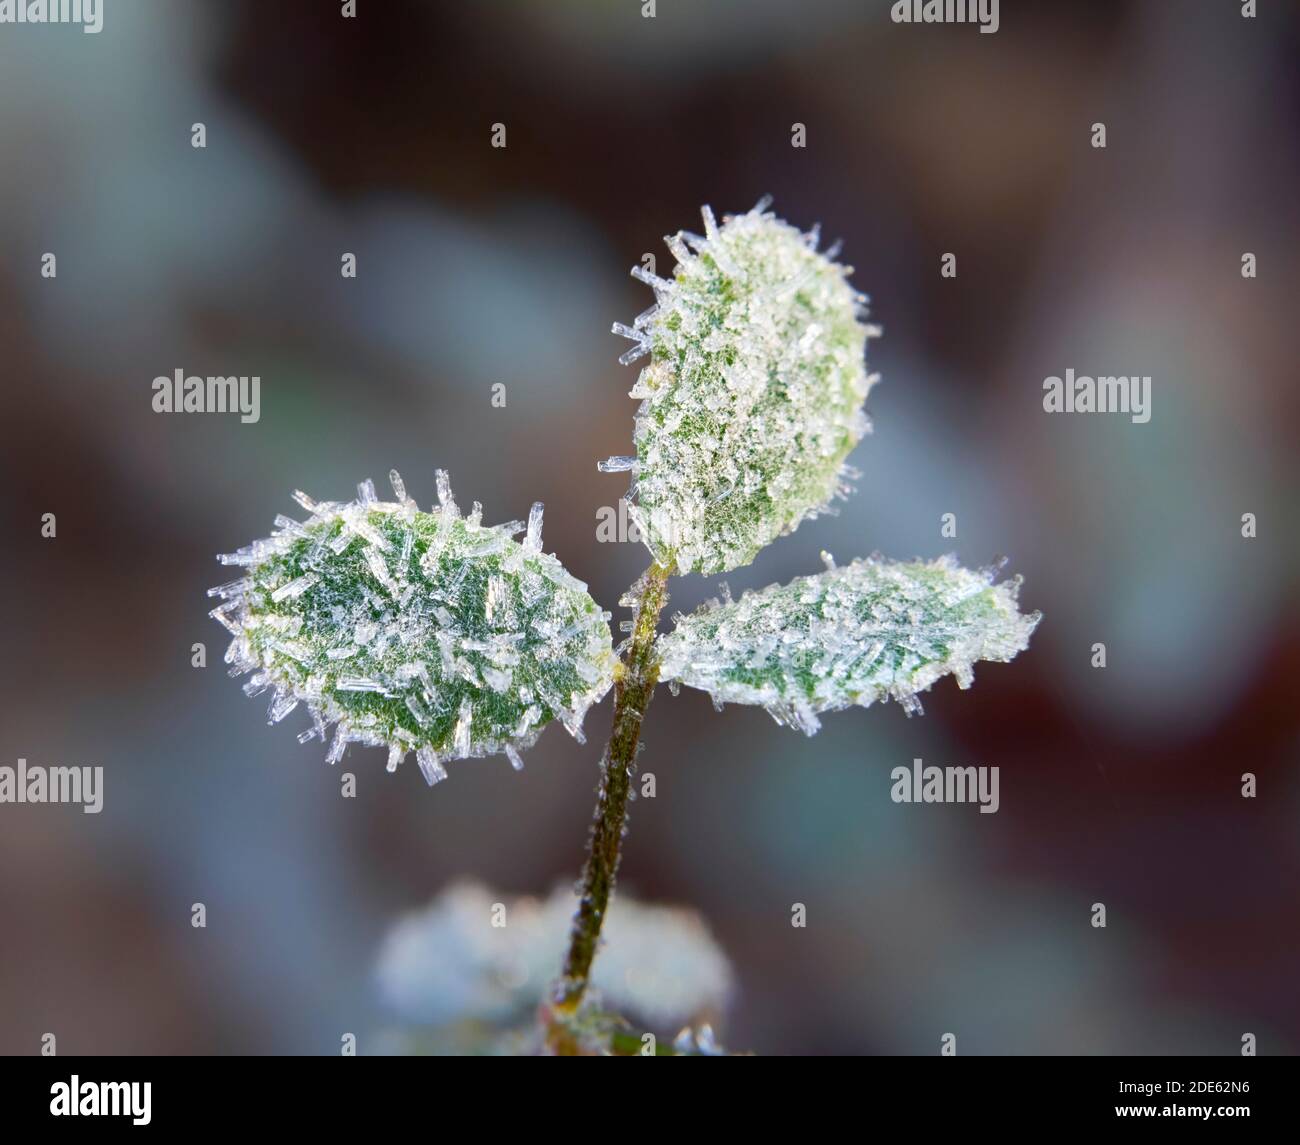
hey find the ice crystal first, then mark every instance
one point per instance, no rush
(448, 962)
(752, 398)
(872, 630)
(422, 632)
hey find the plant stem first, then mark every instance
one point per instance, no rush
(632, 693)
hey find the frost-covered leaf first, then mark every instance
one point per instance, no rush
(425, 632)
(872, 630)
(753, 395)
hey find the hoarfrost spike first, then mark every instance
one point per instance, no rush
(533, 538)
(652, 280)
(445, 500)
(710, 223)
(616, 464)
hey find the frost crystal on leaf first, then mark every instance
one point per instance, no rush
(422, 632)
(872, 630)
(752, 398)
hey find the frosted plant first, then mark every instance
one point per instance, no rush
(447, 964)
(433, 633)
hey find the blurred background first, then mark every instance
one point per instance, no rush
(481, 265)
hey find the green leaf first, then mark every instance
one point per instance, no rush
(425, 632)
(870, 631)
(753, 395)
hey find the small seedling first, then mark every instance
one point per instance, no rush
(434, 634)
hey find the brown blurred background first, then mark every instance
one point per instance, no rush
(480, 266)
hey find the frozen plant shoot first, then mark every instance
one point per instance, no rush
(434, 634)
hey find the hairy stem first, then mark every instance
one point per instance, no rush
(632, 692)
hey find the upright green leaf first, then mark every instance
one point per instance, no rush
(753, 395)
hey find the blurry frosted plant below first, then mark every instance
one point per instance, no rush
(448, 964)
